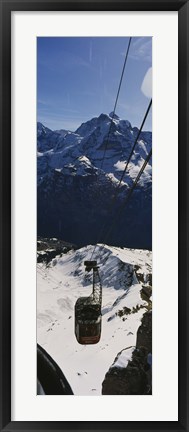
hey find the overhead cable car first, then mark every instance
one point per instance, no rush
(88, 310)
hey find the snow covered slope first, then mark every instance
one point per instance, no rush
(90, 140)
(58, 287)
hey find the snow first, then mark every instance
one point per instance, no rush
(113, 179)
(58, 287)
(64, 280)
(133, 170)
(86, 146)
(118, 133)
(120, 165)
(58, 169)
(142, 145)
(124, 358)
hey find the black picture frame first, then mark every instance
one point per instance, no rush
(182, 6)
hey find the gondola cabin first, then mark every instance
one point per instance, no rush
(88, 311)
(87, 321)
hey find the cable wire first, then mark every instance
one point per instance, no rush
(129, 194)
(125, 170)
(132, 150)
(121, 79)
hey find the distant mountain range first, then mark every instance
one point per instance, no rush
(76, 190)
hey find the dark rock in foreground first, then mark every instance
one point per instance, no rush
(144, 334)
(131, 380)
(136, 377)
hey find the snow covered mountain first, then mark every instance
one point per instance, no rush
(76, 189)
(126, 298)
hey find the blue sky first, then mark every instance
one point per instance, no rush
(78, 78)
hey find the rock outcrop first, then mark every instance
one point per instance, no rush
(144, 334)
(130, 373)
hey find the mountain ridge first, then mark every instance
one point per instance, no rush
(77, 179)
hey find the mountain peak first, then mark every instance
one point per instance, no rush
(41, 128)
(113, 115)
(103, 116)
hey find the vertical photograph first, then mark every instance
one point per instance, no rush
(94, 216)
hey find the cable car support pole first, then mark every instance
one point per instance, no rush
(97, 286)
